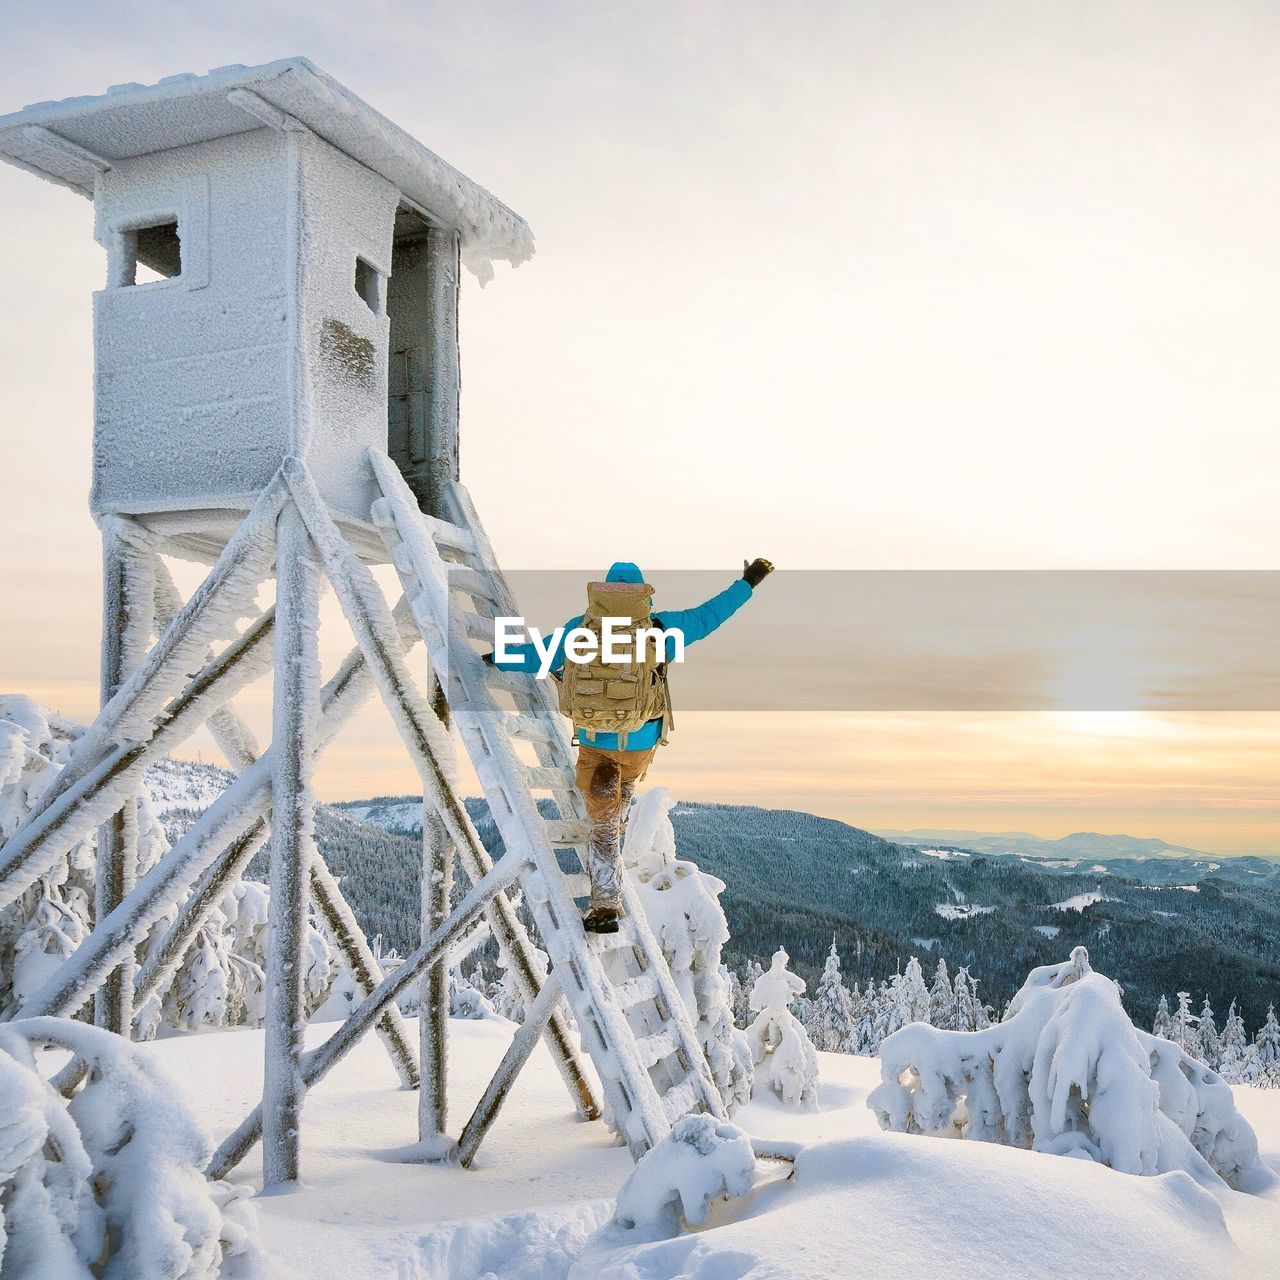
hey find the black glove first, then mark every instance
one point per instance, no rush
(756, 572)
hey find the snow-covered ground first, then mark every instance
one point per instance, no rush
(861, 1203)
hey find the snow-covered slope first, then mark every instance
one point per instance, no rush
(862, 1202)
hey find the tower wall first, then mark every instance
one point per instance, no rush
(192, 391)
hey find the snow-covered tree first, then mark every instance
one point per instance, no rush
(1067, 1073)
(942, 999)
(737, 996)
(1234, 1048)
(969, 1013)
(1182, 1027)
(1266, 1051)
(111, 1183)
(682, 906)
(786, 1062)
(1163, 1024)
(832, 1027)
(1207, 1032)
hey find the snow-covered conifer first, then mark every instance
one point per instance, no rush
(1234, 1046)
(834, 1027)
(1207, 1032)
(1182, 1027)
(1065, 1072)
(785, 1060)
(942, 999)
(682, 906)
(1163, 1024)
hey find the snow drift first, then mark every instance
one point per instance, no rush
(117, 1169)
(1067, 1073)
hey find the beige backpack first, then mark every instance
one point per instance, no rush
(610, 697)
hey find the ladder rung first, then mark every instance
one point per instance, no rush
(636, 990)
(473, 582)
(539, 778)
(564, 833)
(530, 729)
(509, 681)
(652, 1049)
(578, 884)
(449, 535)
(611, 941)
(682, 1098)
(476, 627)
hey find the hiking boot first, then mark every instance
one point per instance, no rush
(602, 917)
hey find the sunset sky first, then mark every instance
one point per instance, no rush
(859, 286)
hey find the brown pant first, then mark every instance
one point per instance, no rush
(607, 780)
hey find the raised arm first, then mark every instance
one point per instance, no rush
(701, 621)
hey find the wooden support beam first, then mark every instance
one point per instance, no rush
(443, 277)
(433, 1004)
(295, 710)
(526, 1036)
(128, 614)
(317, 1063)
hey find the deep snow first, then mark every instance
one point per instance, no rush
(862, 1202)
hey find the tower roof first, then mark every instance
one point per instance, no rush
(70, 142)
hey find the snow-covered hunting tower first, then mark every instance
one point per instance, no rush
(277, 396)
(282, 277)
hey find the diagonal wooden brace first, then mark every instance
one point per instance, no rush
(317, 1063)
(76, 808)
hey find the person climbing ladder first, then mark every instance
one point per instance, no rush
(621, 710)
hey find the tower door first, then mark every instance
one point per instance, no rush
(409, 376)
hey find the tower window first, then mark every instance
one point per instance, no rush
(151, 253)
(369, 285)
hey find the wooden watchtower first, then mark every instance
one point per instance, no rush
(276, 394)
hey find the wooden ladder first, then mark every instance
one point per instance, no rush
(630, 1015)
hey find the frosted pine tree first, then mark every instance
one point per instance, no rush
(1266, 1047)
(737, 997)
(942, 999)
(1234, 1048)
(966, 1002)
(868, 1012)
(1163, 1024)
(834, 1026)
(1207, 1029)
(1183, 1026)
(682, 906)
(786, 1062)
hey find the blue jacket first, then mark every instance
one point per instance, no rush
(696, 624)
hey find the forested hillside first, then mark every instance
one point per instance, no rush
(795, 879)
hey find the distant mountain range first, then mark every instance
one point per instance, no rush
(1158, 924)
(1149, 860)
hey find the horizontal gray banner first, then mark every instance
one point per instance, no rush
(963, 641)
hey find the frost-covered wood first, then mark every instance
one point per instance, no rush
(1067, 1073)
(317, 1062)
(647, 1054)
(128, 615)
(428, 743)
(72, 807)
(517, 1054)
(433, 1004)
(295, 711)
